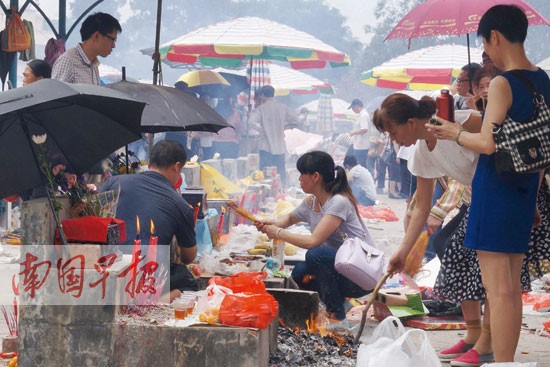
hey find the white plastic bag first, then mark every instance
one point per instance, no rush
(392, 346)
(391, 327)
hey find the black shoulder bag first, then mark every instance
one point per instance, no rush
(524, 147)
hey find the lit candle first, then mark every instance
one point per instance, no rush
(136, 248)
(152, 252)
(220, 224)
(196, 213)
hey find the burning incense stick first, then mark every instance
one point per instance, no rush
(240, 211)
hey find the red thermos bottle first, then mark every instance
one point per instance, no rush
(445, 105)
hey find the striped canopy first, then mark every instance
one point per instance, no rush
(227, 44)
(340, 109)
(286, 80)
(429, 68)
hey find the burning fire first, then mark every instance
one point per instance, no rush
(152, 228)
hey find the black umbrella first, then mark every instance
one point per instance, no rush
(83, 123)
(169, 109)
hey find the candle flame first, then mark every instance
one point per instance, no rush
(137, 225)
(223, 209)
(152, 228)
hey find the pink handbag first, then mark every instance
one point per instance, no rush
(360, 262)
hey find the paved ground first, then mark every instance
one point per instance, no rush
(531, 348)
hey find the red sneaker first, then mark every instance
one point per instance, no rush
(455, 351)
(473, 359)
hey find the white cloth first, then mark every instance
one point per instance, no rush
(361, 176)
(405, 152)
(446, 159)
(362, 141)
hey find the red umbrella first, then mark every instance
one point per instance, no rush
(446, 17)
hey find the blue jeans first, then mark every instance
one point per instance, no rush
(360, 154)
(332, 287)
(361, 195)
(430, 249)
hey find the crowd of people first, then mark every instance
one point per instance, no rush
(437, 165)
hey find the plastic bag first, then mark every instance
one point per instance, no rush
(391, 327)
(16, 36)
(242, 282)
(242, 238)
(370, 212)
(248, 310)
(410, 349)
(208, 307)
(204, 241)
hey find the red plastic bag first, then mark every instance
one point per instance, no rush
(248, 310)
(242, 282)
(542, 302)
(369, 212)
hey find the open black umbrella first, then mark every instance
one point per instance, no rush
(169, 109)
(83, 123)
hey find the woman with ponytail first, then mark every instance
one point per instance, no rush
(331, 211)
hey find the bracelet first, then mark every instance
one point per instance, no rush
(277, 232)
(458, 136)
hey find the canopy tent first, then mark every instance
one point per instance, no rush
(284, 80)
(229, 43)
(429, 68)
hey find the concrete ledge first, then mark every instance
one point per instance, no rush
(296, 306)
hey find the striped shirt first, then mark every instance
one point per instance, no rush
(74, 67)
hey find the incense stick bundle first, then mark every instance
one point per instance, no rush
(241, 211)
(413, 264)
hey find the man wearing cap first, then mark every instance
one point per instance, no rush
(362, 130)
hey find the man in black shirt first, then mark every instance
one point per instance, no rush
(150, 196)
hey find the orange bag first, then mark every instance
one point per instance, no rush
(242, 282)
(16, 36)
(248, 310)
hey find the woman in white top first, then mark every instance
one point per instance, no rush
(331, 211)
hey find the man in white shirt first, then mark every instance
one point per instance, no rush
(269, 119)
(360, 181)
(362, 130)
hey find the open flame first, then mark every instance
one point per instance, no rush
(152, 228)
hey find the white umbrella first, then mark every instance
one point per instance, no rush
(299, 142)
(285, 80)
(545, 65)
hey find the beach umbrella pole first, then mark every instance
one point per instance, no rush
(469, 60)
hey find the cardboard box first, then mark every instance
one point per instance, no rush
(192, 175)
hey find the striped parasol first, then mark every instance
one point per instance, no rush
(257, 75)
(325, 115)
(229, 43)
(284, 80)
(429, 68)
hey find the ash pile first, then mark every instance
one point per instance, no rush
(300, 348)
